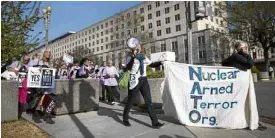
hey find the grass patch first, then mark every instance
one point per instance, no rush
(21, 128)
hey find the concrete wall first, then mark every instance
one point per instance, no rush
(77, 95)
(9, 100)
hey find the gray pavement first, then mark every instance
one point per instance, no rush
(107, 123)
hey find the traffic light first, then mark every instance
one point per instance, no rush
(202, 9)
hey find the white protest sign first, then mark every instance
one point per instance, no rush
(64, 74)
(21, 77)
(41, 77)
(68, 59)
(209, 96)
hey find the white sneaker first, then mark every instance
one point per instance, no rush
(113, 103)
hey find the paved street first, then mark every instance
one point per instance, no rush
(107, 122)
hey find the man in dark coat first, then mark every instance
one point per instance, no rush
(240, 59)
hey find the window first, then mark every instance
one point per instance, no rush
(167, 20)
(217, 21)
(157, 4)
(97, 28)
(150, 25)
(142, 19)
(176, 7)
(112, 30)
(122, 26)
(206, 26)
(165, 2)
(97, 41)
(163, 47)
(97, 35)
(112, 37)
(106, 32)
(149, 16)
(135, 13)
(101, 47)
(158, 13)
(129, 23)
(153, 49)
(101, 40)
(116, 28)
(149, 7)
(221, 23)
(111, 22)
(85, 39)
(178, 28)
(93, 36)
(202, 54)
(151, 35)
(141, 10)
(177, 17)
(142, 28)
(168, 30)
(122, 18)
(128, 15)
(166, 10)
(175, 49)
(101, 33)
(122, 34)
(158, 23)
(106, 24)
(97, 49)
(101, 26)
(135, 30)
(93, 43)
(89, 38)
(129, 32)
(106, 39)
(159, 33)
(89, 44)
(90, 31)
(201, 40)
(93, 29)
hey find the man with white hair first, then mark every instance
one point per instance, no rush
(241, 59)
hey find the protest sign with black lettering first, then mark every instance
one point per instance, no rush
(34, 77)
(21, 77)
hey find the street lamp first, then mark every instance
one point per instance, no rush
(46, 16)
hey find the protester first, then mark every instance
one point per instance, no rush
(101, 81)
(270, 69)
(110, 75)
(136, 63)
(63, 72)
(241, 60)
(43, 98)
(74, 69)
(84, 70)
(35, 60)
(24, 64)
(23, 90)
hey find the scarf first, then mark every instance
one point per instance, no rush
(141, 58)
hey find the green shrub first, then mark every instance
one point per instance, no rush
(154, 74)
(254, 69)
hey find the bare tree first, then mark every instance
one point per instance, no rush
(129, 25)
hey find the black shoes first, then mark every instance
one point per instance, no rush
(126, 123)
(158, 125)
(48, 119)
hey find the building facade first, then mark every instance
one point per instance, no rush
(164, 23)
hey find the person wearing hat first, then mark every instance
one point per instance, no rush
(241, 59)
(136, 64)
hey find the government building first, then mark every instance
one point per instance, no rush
(161, 26)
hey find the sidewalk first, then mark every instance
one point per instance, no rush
(107, 123)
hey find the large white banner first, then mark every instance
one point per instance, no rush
(41, 77)
(209, 96)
